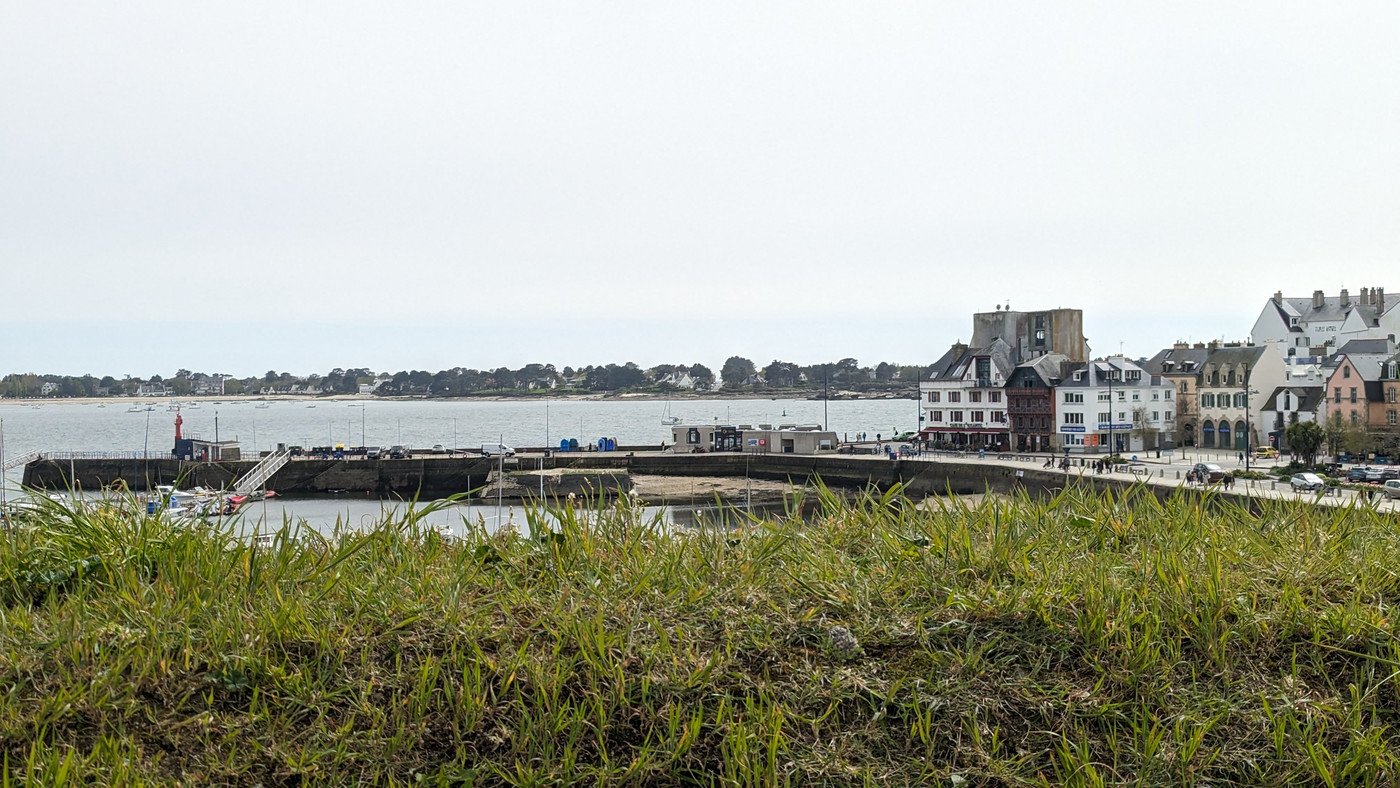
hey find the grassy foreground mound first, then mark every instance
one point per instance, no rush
(1081, 640)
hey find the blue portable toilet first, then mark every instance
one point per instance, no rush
(602, 444)
(563, 444)
(612, 445)
(573, 444)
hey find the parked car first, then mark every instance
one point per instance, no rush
(1390, 473)
(1307, 482)
(374, 453)
(1209, 471)
(438, 448)
(398, 452)
(1374, 476)
(1392, 488)
(1266, 453)
(1357, 473)
(493, 449)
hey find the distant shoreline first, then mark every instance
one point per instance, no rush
(788, 394)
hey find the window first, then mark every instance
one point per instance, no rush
(974, 396)
(1390, 394)
(933, 396)
(1074, 418)
(1104, 396)
(999, 416)
(1135, 396)
(1390, 417)
(1169, 417)
(692, 435)
(975, 415)
(1073, 397)
(1104, 417)
(1353, 394)
(1156, 416)
(955, 415)
(956, 396)
(1346, 370)
(1338, 392)
(935, 415)
(994, 396)
(1122, 395)
(1355, 419)
(1207, 400)
(1156, 395)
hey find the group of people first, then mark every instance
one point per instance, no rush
(1203, 478)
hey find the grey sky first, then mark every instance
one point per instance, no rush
(666, 182)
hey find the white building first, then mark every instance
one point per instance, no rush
(1114, 404)
(963, 400)
(1287, 405)
(1321, 324)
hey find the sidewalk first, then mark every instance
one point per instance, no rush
(1172, 474)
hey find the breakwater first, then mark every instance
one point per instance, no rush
(562, 473)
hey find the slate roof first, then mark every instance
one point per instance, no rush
(954, 364)
(1310, 398)
(1331, 310)
(1381, 346)
(1157, 365)
(1047, 369)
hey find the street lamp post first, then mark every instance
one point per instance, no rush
(1248, 448)
(1110, 409)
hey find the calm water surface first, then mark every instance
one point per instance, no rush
(62, 426)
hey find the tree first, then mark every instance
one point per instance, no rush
(1143, 429)
(702, 374)
(1305, 438)
(782, 374)
(736, 370)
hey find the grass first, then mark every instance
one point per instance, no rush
(1084, 640)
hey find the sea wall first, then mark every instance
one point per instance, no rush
(440, 476)
(434, 477)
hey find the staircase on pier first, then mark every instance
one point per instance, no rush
(258, 475)
(23, 459)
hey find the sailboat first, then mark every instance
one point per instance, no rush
(666, 417)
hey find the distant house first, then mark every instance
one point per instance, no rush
(1288, 405)
(1321, 325)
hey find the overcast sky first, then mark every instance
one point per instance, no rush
(299, 186)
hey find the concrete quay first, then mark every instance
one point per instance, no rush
(607, 473)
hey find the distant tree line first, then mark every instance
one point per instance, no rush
(738, 373)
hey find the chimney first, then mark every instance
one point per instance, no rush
(1346, 299)
(1278, 297)
(1365, 296)
(1378, 299)
(1319, 300)
(1179, 345)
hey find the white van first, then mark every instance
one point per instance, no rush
(493, 449)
